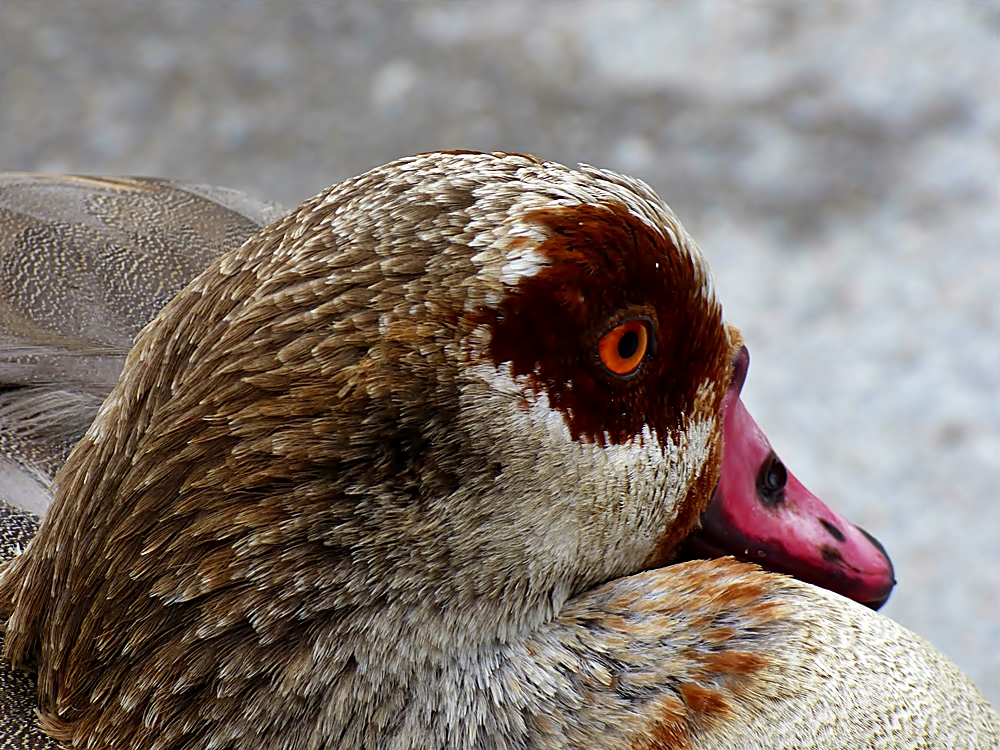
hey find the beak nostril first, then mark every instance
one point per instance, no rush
(771, 481)
(833, 530)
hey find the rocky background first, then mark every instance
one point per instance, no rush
(839, 163)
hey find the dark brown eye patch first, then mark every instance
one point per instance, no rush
(616, 328)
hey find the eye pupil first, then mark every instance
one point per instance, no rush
(628, 344)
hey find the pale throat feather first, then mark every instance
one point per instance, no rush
(575, 497)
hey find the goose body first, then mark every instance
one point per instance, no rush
(406, 470)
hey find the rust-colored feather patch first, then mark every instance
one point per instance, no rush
(704, 701)
(694, 640)
(668, 726)
(733, 662)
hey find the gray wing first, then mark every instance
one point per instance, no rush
(85, 263)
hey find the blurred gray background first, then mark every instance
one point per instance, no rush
(839, 162)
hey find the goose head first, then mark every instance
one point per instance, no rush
(400, 426)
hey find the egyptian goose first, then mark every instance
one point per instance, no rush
(401, 472)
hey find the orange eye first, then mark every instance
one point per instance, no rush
(623, 349)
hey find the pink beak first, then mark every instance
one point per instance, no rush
(761, 513)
